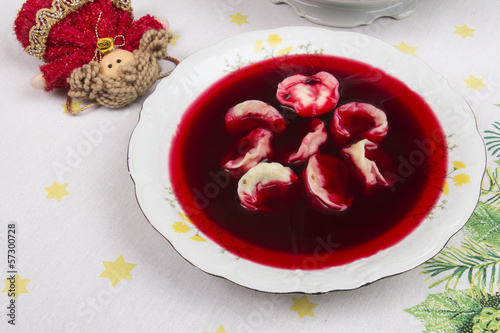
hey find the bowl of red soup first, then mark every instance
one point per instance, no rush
(306, 160)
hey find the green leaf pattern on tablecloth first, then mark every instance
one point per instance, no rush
(491, 186)
(473, 260)
(484, 225)
(459, 311)
(492, 139)
(448, 311)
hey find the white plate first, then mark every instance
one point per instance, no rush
(151, 141)
(350, 13)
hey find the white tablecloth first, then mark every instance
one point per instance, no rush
(87, 260)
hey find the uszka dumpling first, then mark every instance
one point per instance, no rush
(326, 180)
(369, 164)
(268, 187)
(247, 152)
(252, 114)
(356, 121)
(309, 96)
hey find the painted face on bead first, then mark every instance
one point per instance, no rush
(111, 62)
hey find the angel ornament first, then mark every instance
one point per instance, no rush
(95, 48)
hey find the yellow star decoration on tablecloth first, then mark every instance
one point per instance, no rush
(73, 106)
(219, 330)
(303, 307)
(117, 270)
(174, 39)
(56, 191)
(475, 83)
(403, 47)
(464, 31)
(19, 286)
(239, 19)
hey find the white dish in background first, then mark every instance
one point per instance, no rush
(150, 144)
(350, 13)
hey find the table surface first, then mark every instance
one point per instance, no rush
(87, 260)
